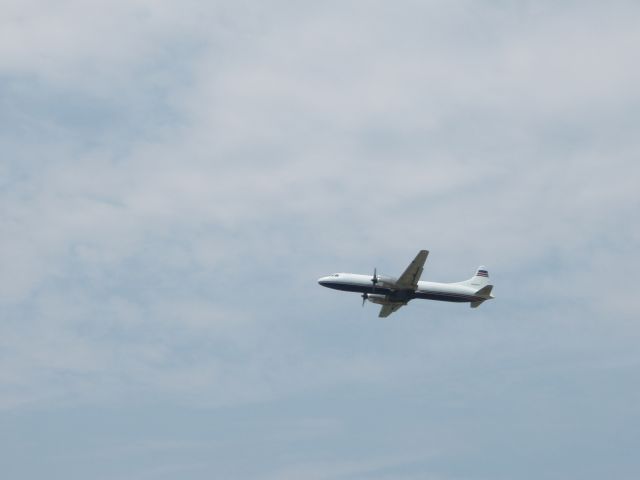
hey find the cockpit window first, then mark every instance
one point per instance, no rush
(336, 274)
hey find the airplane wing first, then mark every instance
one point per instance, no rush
(387, 310)
(409, 279)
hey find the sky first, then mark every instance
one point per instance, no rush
(175, 176)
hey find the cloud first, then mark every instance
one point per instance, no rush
(308, 132)
(175, 179)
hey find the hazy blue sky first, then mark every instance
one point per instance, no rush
(175, 176)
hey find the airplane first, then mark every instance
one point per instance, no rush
(393, 293)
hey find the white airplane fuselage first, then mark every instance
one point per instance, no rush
(447, 292)
(393, 293)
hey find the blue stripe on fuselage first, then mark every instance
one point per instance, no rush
(350, 287)
(422, 294)
(446, 297)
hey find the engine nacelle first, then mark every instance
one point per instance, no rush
(378, 299)
(386, 281)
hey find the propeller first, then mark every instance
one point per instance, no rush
(374, 280)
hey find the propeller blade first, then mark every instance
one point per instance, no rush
(364, 298)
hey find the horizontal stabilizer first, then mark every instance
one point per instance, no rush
(485, 291)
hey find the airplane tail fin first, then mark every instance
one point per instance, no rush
(479, 280)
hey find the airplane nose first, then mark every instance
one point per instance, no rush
(323, 280)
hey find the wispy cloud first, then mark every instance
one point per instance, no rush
(175, 178)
